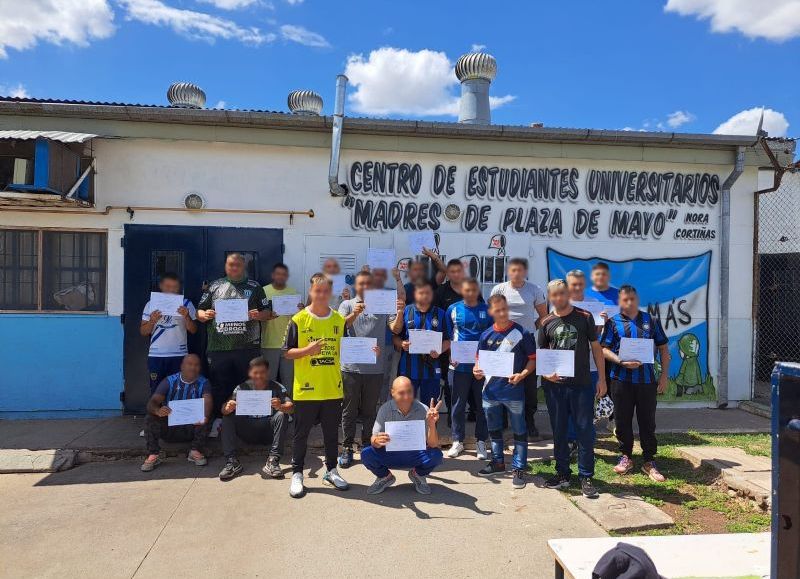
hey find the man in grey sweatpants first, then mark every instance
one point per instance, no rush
(362, 382)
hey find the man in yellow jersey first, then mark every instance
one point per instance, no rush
(313, 340)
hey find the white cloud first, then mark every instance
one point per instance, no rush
(220, 105)
(303, 36)
(193, 24)
(24, 23)
(230, 4)
(746, 123)
(294, 2)
(771, 19)
(399, 81)
(14, 91)
(478, 47)
(679, 118)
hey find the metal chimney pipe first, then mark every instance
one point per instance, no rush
(336, 189)
(476, 71)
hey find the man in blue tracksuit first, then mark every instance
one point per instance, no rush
(506, 392)
(422, 369)
(468, 318)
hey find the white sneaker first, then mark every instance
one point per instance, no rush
(296, 488)
(215, 426)
(456, 449)
(481, 453)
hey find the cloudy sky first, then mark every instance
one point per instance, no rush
(664, 65)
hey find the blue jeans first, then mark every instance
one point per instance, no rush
(494, 421)
(572, 436)
(465, 384)
(578, 402)
(378, 460)
(427, 388)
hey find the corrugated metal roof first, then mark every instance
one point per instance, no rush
(61, 136)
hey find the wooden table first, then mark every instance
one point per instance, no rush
(730, 556)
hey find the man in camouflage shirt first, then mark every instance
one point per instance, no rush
(232, 345)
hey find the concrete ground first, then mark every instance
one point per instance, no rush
(110, 520)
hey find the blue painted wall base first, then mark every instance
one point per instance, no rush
(60, 363)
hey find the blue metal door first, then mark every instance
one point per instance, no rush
(197, 255)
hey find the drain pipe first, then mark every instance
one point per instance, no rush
(336, 189)
(725, 276)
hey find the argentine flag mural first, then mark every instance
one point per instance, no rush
(675, 290)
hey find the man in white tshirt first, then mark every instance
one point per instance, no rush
(168, 334)
(527, 303)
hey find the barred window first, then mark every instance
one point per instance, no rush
(52, 270)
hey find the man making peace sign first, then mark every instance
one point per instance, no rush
(402, 406)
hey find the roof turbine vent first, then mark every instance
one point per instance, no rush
(475, 71)
(186, 95)
(305, 102)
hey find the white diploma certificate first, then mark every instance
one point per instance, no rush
(358, 351)
(167, 304)
(496, 364)
(419, 240)
(186, 411)
(380, 302)
(339, 283)
(285, 305)
(254, 403)
(594, 308)
(561, 362)
(378, 258)
(639, 349)
(463, 352)
(405, 435)
(424, 341)
(230, 310)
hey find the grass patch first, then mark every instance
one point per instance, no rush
(692, 497)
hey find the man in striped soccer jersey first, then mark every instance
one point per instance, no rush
(423, 370)
(184, 385)
(634, 386)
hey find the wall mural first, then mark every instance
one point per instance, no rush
(674, 290)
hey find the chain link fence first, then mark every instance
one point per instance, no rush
(777, 282)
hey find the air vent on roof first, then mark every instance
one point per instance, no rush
(305, 102)
(475, 71)
(186, 95)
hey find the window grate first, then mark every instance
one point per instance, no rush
(19, 269)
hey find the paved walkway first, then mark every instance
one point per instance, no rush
(110, 520)
(120, 436)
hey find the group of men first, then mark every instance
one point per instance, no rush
(297, 358)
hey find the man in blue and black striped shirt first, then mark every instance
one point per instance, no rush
(634, 385)
(423, 370)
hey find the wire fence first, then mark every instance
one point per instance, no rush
(777, 291)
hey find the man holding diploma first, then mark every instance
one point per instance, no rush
(313, 341)
(568, 328)
(423, 370)
(362, 382)
(187, 384)
(634, 386)
(403, 407)
(499, 392)
(274, 328)
(468, 318)
(231, 345)
(255, 428)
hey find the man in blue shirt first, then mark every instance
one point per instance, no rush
(602, 290)
(422, 369)
(509, 392)
(187, 384)
(468, 318)
(634, 386)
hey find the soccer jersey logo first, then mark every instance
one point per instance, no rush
(435, 323)
(247, 293)
(565, 337)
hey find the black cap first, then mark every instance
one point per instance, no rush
(625, 561)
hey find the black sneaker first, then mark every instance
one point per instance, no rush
(273, 467)
(557, 481)
(346, 458)
(518, 482)
(231, 469)
(492, 468)
(587, 488)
